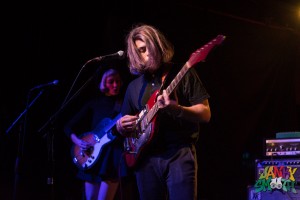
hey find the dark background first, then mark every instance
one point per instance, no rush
(253, 80)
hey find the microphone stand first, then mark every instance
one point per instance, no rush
(19, 157)
(50, 139)
(52, 119)
(66, 100)
(24, 112)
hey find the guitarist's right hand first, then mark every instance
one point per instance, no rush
(126, 125)
(79, 142)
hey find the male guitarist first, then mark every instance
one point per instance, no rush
(166, 164)
(102, 179)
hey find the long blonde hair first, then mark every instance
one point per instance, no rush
(159, 48)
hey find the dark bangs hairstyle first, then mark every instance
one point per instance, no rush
(159, 48)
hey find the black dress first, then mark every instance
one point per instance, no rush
(110, 164)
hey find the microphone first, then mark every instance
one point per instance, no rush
(119, 55)
(52, 83)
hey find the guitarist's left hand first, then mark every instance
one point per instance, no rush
(196, 113)
(171, 106)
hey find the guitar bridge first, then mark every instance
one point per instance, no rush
(142, 122)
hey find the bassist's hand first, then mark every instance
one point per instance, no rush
(79, 142)
(126, 125)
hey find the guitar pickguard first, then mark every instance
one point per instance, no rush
(98, 138)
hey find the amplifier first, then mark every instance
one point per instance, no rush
(262, 164)
(282, 147)
(273, 195)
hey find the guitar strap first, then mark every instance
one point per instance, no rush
(153, 83)
(150, 85)
(174, 69)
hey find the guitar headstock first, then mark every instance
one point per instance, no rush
(201, 53)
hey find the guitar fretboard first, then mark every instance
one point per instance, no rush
(152, 112)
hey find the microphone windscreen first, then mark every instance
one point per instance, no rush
(121, 53)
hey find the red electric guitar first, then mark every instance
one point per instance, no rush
(146, 126)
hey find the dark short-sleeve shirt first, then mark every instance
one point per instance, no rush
(171, 130)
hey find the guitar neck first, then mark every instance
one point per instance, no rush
(177, 79)
(113, 122)
(199, 55)
(152, 112)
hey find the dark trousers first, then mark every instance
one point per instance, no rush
(169, 175)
